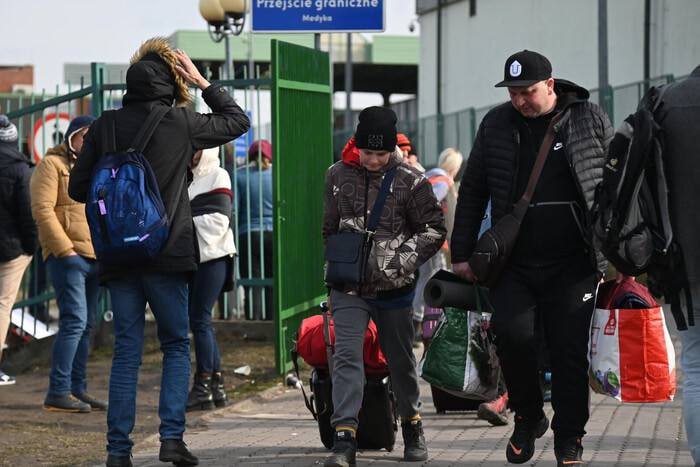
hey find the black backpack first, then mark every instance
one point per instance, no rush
(631, 220)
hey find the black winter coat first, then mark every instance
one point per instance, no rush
(178, 136)
(492, 167)
(17, 229)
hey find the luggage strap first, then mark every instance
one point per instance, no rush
(329, 354)
(307, 402)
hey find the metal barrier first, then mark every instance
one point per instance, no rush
(302, 112)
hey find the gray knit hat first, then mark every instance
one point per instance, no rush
(8, 131)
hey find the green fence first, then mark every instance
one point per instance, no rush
(302, 110)
(42, 120)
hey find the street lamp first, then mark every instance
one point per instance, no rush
(225, 18)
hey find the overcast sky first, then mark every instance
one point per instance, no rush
(49, 33)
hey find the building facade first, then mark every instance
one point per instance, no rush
(478, 35)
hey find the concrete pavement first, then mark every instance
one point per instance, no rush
(275, 429)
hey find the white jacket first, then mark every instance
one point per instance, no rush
(214, 235)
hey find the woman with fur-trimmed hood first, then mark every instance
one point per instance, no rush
(158, 76)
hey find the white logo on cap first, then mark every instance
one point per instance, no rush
(515, 69)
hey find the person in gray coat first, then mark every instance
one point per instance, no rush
(679, 117)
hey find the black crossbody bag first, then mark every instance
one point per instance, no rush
(347, 252)
(494, 247)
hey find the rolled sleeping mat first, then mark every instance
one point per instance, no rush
(446, 289)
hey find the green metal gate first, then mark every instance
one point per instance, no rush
(303, 150)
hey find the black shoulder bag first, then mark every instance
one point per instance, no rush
(496, 244)
(347, 252)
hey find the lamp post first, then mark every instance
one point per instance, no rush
(225, 18)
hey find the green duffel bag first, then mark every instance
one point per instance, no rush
(461, 358)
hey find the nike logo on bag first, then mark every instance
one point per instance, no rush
(587, 297)
(558, 146)
(515, 450)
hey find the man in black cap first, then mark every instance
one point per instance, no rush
(409, 232)
(553, 269)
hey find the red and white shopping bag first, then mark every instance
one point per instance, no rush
(630, 351)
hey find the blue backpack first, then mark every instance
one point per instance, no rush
(125, 212)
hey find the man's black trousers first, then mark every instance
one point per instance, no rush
(562, 297)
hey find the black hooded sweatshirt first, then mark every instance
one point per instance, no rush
(178, 136)
(552, 229)
(17, 229)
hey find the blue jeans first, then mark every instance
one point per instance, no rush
(205, 288)
(74, 279)
(167, 296)
(690, 364)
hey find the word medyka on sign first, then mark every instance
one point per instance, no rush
(318, 15)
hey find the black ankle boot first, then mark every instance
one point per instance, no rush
(344, 450)
(119, 461)
(175, 451)
(414, 449)
(200, 397)
(217, 389)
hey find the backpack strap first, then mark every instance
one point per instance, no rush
(109, 140)
(148, 128)
(659, 96)
(381, 199)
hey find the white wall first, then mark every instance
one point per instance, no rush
(566, 31)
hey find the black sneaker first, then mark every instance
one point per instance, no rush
(521, 445)
(5, 379)
(66, 403)
(95, 403)
(118, 461)
(414, 448)
(569, 452)
(344, 450)
(175, 451)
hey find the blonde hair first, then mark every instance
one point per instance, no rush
(450, 160)
(262, 163)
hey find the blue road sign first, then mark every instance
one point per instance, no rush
(318, 15)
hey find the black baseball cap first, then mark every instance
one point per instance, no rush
(525, 69)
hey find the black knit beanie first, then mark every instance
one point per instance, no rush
(376, 130)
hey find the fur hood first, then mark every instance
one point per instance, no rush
(161, 47)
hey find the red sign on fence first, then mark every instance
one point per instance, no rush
(48, 132)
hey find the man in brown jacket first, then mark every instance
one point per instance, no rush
(65, 241)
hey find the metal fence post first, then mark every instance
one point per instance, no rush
(440, 130)
(607, 101)
(97, 82)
